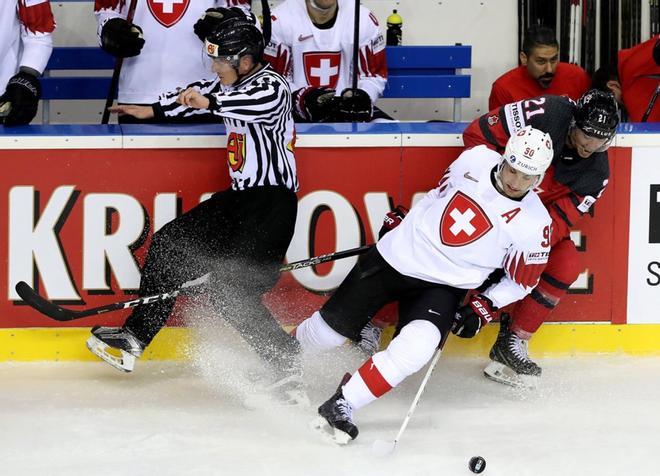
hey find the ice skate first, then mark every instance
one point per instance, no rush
(116, 345)
(290, 390)
(510, 363)
(369, 342)
(335, 418)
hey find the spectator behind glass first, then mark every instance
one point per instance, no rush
(633, 79)
(540, 72)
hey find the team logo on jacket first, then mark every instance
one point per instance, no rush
(168, 12)
(322, 68)
(463, 221)
(236, 152)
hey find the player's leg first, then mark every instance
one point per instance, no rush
(511, 363)
(424, 316)
(366, 288)
(180, 251)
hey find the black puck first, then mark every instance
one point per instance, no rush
(477, 464)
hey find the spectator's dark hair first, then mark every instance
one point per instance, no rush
(602, 75)
(538, 35)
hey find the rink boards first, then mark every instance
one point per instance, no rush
(81, 202)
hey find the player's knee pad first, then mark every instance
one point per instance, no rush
(314, 334)
(408, 352)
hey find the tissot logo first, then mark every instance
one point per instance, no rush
(654, 213)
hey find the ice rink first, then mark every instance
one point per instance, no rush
(591, 416)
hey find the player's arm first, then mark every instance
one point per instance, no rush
(372, 63)
(489, 129)
(20, 100)
(567, 210)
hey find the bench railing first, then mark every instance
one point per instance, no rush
(414, 72)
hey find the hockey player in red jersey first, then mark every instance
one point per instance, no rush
(312, 46)
(578, 176)
(159, 32)
(26, 28)
(483, 215)
(540, 72)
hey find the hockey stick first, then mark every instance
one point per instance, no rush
(114, 82)
(356, 44)
(58, 313)
(382, 447)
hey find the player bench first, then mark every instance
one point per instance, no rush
(414, 72)
(426, 72)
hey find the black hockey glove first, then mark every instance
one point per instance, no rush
(121, 39)
(392, 220)
(471, 317)
(211, 19)
(19, 103)
(355, 106)
(316, 104)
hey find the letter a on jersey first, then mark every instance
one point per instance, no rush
(168, 12)
(322, 68)
(463, 221)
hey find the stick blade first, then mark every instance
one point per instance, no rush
(383, 448)
(47, 308)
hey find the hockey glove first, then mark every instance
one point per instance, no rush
(121, 39)
(316, 104)
(471, 317)
(355, 106)
(20, 101)
(212, 18)
(392, 219)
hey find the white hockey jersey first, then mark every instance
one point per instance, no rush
(172, 54)
(26, 28)
(464, 229)
(310, 56)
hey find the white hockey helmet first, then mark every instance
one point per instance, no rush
(528, 151)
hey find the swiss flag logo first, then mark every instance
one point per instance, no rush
(322, 68)
(168, 12)
(463, 221)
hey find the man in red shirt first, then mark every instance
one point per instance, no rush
(639, 76)
(540, 72)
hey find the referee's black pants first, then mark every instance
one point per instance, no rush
(241, 238)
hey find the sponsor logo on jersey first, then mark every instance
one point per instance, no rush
(168, 12)
(305, 37)
(537, 257)
(236, 151)
(322, 68)
(586, 204)
(463, 221)
(514, 119)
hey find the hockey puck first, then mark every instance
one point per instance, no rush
(477, 464)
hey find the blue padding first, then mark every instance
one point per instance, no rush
(79, 87)
(83, 58)
(429, 57)
(405, 86)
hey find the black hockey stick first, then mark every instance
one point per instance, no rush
(114, 82)
(58, 313)
(356, 44)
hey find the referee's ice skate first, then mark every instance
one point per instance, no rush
(116, 345)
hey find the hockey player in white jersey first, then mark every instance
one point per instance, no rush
(312, 46)
(26, 28)
(156, 45)
(482, 216)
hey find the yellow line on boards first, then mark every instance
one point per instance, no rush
(174, 343)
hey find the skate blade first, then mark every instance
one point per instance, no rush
(117, 358)
(502, 374)
(330, 433)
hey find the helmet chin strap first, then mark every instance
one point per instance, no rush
(313, 4)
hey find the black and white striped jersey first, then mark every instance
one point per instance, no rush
(260, 129)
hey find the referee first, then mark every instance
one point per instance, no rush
(239, 235)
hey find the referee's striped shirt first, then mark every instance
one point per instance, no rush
(260, 129)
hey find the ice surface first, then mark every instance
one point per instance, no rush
(591, 416)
